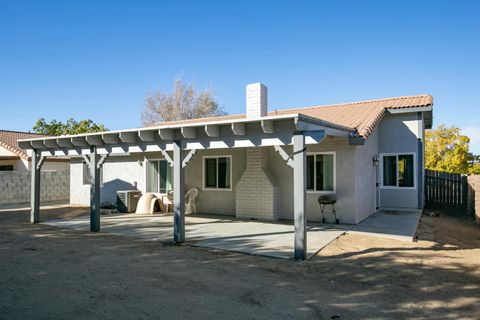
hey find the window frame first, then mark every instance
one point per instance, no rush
(397, 187)
(146, 173)
(204, 173)
(315, 191)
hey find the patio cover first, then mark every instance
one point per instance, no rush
(277, 131)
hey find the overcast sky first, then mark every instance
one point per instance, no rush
(98, 59)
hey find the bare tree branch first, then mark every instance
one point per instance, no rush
(183, 103)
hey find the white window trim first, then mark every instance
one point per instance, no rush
(203, 172)
(146, 173)
(397, 187)
(334, 191)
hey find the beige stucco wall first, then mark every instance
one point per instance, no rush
(400, 133)
(215, 201)
(119, 173)
(366, 177)
(345, 186)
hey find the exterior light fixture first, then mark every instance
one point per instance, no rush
(376, 161)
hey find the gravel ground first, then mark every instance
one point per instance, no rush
(52, 273)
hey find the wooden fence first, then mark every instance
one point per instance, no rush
(446, 190)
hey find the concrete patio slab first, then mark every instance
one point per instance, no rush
(26, 206)
(399, 225)
(273, 239)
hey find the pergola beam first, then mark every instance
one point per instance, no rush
(238, 128)
(223, 142)
(38, 144)
(111, 138)
(51, 144)
(147, 135)
(128, 136)
(268, 126)
(166, 134)
(189, 132)
(65, 143)
(212, 130)
(79, 141)
(94, 140)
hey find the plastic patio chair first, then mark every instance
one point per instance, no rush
(190, 197)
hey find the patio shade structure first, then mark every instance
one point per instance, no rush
(182, 140)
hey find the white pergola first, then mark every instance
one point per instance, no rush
(183, 140)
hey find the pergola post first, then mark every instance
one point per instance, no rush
(94, 190)
(35, 187)
(299, 198)
(178, 193)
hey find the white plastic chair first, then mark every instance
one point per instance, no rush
(190, 201)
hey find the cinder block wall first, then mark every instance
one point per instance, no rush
(257, 194)
(15, 186)
(474, 196)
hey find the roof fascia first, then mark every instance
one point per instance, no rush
(411, 109)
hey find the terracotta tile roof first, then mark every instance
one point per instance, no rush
(8, 140)
(362, 116)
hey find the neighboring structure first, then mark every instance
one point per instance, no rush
(14, 158)
(369, 154)
(15, 164)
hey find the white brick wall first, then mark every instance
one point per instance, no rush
(257, 100)
(15, 186)
(257, 195)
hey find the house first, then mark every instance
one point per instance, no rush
(256, 182)
(15, 166)
(263, 164)
(14, 158)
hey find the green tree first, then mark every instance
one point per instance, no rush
(57, 128)
(446, 149)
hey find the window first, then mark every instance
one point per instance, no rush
(398, 170)
(159, 176)
(6, 168)
(321, 172)
(87, 177)
(217, 173)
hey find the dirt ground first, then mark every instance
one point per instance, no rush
(52, 273)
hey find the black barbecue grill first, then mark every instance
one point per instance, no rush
(328, 200)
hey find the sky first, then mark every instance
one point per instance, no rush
(98, 59)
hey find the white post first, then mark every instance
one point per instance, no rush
(299, 198)
(178, 194)
(35, 187)
(94, 191)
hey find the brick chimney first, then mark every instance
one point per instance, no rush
(257, 100)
